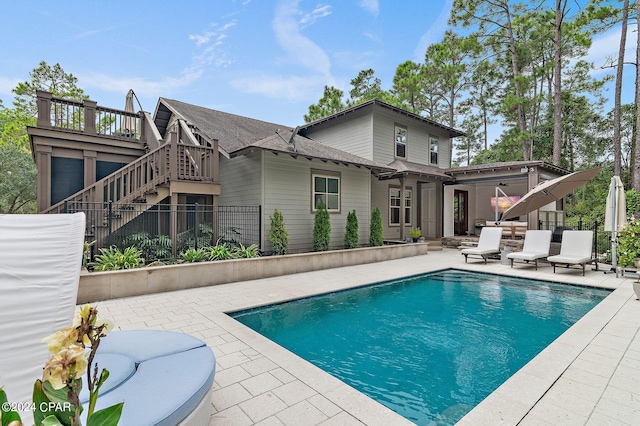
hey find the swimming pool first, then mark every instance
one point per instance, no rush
(429, 347)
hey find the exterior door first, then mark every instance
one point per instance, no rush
(428, 210)
(460, 212)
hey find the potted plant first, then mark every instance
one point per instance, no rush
(628, 248)
(415, 234)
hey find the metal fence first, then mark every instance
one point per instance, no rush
(163, 231)
(601, 239)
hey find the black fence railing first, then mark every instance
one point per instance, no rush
(601, 240)
(163, 231)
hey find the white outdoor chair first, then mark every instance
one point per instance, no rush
(574, 250)
(40, 261)
(536, 246)
(488, 244)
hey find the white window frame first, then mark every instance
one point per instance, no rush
(400, 138)
(433, 140)
(314, 192)
(408, 204)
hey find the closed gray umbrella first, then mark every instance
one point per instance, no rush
(128, 125)
(550, 191)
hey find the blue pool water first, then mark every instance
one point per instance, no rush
(429, 347)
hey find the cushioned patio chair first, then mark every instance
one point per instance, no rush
(536, 246)
(575, 249)
(165, 378)
(488, 244)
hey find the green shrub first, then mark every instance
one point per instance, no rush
(628, 248)
(351, 233)
(194, 255)
(219, 252)
(375, 232)
(278, 235)
(112, 258)
(321, 229)
(242, 252)
(152, 248)
(415, 233)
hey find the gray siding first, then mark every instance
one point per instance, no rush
(353, 135)
(287, 184)
(240, 180)
(380, 199)
(418, 139)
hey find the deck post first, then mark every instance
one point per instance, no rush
(89, 116)
(44, 108)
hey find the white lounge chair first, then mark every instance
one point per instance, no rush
(488, 244)
(575, 250)
(536, 246)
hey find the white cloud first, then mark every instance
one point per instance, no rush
(209, 42)
(371, 6)
(294, 88)
(435, 32)
(604, 49)
(319, 12)
(300, 49)
(142, 87)
(6, 86)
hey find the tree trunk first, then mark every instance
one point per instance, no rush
(522, 122)
(635, 174)
(617, 109)
(557, 86)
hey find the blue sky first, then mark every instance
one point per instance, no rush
(264, 59)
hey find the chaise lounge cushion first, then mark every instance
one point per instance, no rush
(173, 373)
(120, 368)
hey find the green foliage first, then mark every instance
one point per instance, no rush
(415, 233)
(351, 239)
(321, 229)
(6, 415)
(242, 252)
(151, 248)
(628, 240)
(633, 203)
(278, 235)
(112, 258)
(187, 239)
(375, 231)
(18, 177)
(219, 252)
(194, 255)
(330, 103)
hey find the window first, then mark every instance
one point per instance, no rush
(433, 150)
(395, 204)
(401, 142)
(326, 190)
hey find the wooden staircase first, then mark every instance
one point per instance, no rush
(145, 181)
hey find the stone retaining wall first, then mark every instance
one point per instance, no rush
(95, 286)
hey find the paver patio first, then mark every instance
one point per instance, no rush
(588, 376)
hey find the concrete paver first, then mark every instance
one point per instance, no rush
(590, 375)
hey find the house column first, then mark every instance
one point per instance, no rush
(403, 206)
(43, 165)
(89, 167)
(533, 218)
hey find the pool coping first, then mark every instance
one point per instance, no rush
(528, 397)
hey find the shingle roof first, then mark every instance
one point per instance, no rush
(233, 132)
(375, 102)
(308, 148)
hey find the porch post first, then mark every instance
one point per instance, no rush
(44, 108)
(402, 208)
(90, 116)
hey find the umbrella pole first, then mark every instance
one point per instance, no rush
(614, 216)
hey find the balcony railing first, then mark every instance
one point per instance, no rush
(87, 117)
(171, 161)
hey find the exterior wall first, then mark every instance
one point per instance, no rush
(380, 199)
(240, 180)
(418, 139)
(288, 187)
(352, 135)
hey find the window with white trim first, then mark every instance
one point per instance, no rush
(395, 205)
(326, 190)
(401, 142)
(433, 150)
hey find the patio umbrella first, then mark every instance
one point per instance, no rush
(615, 215)
(128, 125)
(549, 191)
